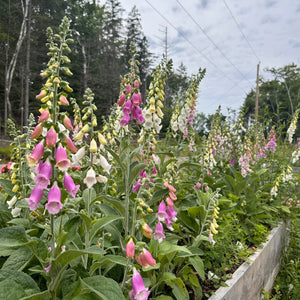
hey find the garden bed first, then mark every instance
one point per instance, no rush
(259, 271)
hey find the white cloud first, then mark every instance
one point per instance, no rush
(271, 27)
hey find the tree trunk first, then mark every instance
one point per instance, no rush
(84, 67)
(12, 65)
(27, 69)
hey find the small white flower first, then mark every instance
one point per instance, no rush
(78, 156)
(12, 202)
(104, 164)
(90, 178)
(16, 212)
(102, 179)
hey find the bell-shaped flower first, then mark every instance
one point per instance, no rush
(136, 84)
(104, 164)
(61, 158)
(172, 196)
(67, 123)
(101, 179)
(15, 212)
(54, 204)
(42, 179)
(70, 145)
(128, 89)
(63, 100)
(12, 202)
(162, 213)
(121, 99)
(90, 178)
(130, 249)
(147, 231)
(76, 158)
(127, 107)
(44, 115)
(145, 259)
(35, 197)
(51, 138)
(140, 118)
(102, 139)
(139, 291)
(172, 213)
(170, 203)
(135, 99)
(37, 131)
(41, 95)
(159, 232)
(125, 120)
(137, 186)
(93, 146)
(36, 154)
(70, 185)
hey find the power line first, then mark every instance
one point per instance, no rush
(240, 29)
(211, 40)
(188, 41)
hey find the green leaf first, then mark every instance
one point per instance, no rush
(101, 223)
(15, 285)
(198, 212)
(165, 165)
(179, 290)
(21, 222)
(39, 296)
(7, 186)
(167, 248)
(63, 259)
(157, 195)
(197, 263)
(104, 288)
(18, 259)
(113, 259)
(163, 297)
(70, 229)
(135, 171)
(14, 236)
(116, 203)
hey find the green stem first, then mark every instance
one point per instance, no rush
(127, 194)
(125, 274)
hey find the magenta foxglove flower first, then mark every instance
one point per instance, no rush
(172, 213)
(47, 269)
(37, 131)
(145, 259)
(54, 204)
(128, 89)
(137, 186)
(159, 232)
(135, 99)
(125, 120)
(139, 291)
(44, 115)
(51, 138)
(61, 158)
(36, 154)
(70, 145)
(70, 185)
(171, 188)
(121, 99)
(136, 84)
(67, 123)
(130, 249)
(90, 178)
(162, 213)
(169, 223)
(197, 185)
(127, 107)
(35, 198)
(140, 98)
(172, 196)
(42, 179)
(170, 203)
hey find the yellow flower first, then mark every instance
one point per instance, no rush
(101, 139)
(159, 112)
(85, 128)
(79, 136)
(93, 146)
(15, 188)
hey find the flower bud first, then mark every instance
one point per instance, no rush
(101, 139)
(93, 146)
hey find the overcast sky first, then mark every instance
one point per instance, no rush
(227, 37)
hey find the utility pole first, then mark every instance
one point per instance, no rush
(257, 92)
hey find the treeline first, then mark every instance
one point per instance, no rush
(102, 36)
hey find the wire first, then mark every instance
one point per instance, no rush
(240, 29)
(211, 40)
(188, 41)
